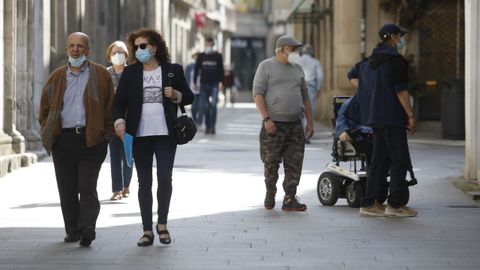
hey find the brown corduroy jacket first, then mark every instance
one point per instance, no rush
(97, 100)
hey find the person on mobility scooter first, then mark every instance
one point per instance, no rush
(351, 143)
(349, 131)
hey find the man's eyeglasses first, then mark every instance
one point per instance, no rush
(142, 46)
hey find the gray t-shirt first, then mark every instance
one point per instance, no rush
(283, 87)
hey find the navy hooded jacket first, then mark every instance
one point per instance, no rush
(380, 77)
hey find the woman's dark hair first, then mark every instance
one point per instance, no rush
(154, 38)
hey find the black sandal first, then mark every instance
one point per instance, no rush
(145, 240)
(165, 241)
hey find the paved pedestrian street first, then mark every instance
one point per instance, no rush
(217, 219)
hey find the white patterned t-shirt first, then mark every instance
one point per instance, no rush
(152, 120)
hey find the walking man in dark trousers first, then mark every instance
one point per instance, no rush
(384, 104)
(76, 125)
(209, 66)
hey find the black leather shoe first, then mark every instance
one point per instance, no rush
(145, 240)
(164, 240)
(87, 236)
(71, 238)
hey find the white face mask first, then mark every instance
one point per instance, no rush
(208, 49)
(76, 62)
(293, 57)
(118, 59)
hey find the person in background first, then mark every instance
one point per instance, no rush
(209, 66)
(280, 93)
(76, 124)
(146, 107)
(313, 77)
(229, 89)
(196, 111)
(117, 55)
(313, 74)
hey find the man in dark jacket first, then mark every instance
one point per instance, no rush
(384, 105)
(209, 66)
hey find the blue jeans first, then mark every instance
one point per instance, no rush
(208, 103)
(312, 94)
(196, 111)
(121, 173)
(144, 148)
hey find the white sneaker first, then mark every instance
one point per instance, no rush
(400, 212)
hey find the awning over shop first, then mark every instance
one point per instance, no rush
(306, 10)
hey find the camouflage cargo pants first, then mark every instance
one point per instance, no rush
(287, 145)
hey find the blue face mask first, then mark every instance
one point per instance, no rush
(143, 55)
(76, 62)
(401, 43)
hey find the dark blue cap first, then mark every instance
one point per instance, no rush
(390, 29)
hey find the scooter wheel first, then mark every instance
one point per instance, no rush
(328, 188)
(354, 194)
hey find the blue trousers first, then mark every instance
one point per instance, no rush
(312, 94)
(121, 173)
(208, 104)
(196, 110)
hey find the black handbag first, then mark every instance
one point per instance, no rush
(185, 128)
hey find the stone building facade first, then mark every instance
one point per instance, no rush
(343, 32)
(32, 44)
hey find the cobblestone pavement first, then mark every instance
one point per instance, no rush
(217, 220)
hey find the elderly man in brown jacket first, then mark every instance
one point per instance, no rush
(76, 124)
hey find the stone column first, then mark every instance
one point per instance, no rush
(5, 140)
(326, 46)
(10, 30)
(343, 27)
(35, 71)
(158, 15)
(59, 33)
(347, 41)
(22, 86)
(472, 90)
(166, 21)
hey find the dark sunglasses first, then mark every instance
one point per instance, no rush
(142, 46)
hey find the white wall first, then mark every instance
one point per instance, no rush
(472, 90)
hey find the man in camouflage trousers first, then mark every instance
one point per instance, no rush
(280, 94)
